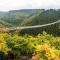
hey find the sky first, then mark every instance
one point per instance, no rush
(6, 5)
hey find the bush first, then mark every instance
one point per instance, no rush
(46, 52)
(45, 45)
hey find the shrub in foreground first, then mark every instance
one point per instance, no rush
(46, 46)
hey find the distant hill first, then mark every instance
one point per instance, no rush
(15, 17)
(4, 24)
(28, 17)
(45, 17)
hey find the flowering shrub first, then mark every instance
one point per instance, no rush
(3, 46)
(46, 52)
(46, 46)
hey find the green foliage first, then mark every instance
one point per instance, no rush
(47, 16)
(45, 45)
(46, 52)
(15, 17)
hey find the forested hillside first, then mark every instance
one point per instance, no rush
(29, 17)
(47, 16)
(15, 17)
(30, 44)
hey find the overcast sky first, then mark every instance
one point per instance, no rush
(6, 5)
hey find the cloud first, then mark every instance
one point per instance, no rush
(6, 5)
(46, 4)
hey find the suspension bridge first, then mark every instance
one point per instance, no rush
(28, 27)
